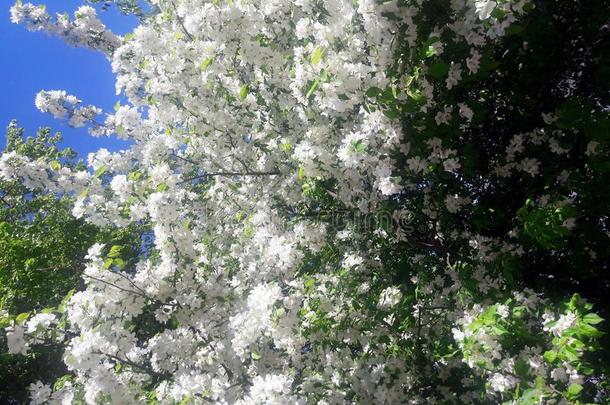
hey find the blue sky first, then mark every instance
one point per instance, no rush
(34, 61)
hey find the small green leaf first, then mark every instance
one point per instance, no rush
(55, 165)
(115, 251)
(592, 319)
(243, 92)
(206, 62)
(550, 356)
(310, 283)
(68, 296)
(120, 263)
(438, 70)
(100, 171)
(497, 13)
(373, 92)
(135, 175)
(255, 355)
(574, 389)
(515, 29)
(359, 146)
(521, 368)
(107, 264)
(22, 317)
(392, 113)
(312, 88)
(117, 105)
(186, 400)
(162, 187)
(316, 55)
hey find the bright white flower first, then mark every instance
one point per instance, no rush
(389, 297)
(564, 322)
(503, 311)
(39, 393)
(484, 8)
(40, 320)
(501, 383)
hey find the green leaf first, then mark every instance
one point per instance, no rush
(521, 368)
(310, 283)
(68, 296)
(312, 88)
(115, 251)
(22, 317)
(243, 92)
(515, 29)
(117, 105)
(100, 171)
(592, 319)
(135, 175)
(107, 264)
(574, 389)
(497, 13)
(255, 355)
(359, 146)
(120, 263)
(186, 400)
(316, 55)
(373, 92)
(55, 165)
(391, 113)
(550, 356)
(438, 70)
(206, 62)
(162, 187)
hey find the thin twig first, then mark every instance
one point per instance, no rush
(217, 174)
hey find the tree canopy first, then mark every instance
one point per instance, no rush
(362, 201)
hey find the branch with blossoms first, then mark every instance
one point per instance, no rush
(84, 30)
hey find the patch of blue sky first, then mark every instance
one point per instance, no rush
(34, 61)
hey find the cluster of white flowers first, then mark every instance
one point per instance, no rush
(60, 105)
(85, 30)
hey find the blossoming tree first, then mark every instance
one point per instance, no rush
(352, 202)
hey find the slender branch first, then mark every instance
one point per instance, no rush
(142, 367)
(217, 174)
(116, 286)
(183, 159)
(184, 30)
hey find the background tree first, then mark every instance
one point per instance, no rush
(42, 247)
